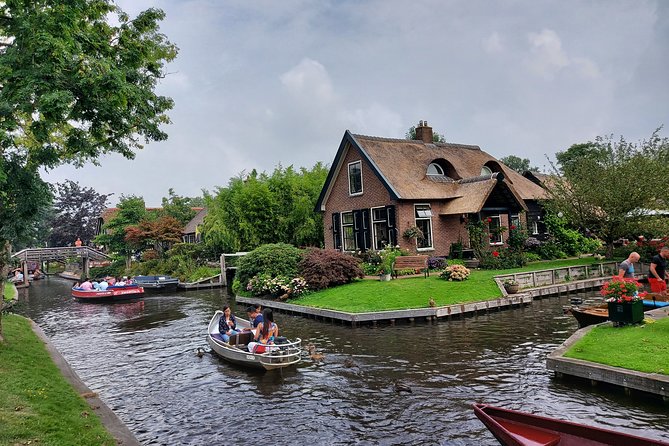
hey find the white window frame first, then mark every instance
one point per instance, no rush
(485, 171)
(535, 227)
(500, 241)
(438, 170)
(344, 225)
(362, 187)
(426, 215)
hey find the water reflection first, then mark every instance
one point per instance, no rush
(140, 357)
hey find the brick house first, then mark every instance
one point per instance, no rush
(377, 188)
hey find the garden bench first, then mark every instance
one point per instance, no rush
(411, 262)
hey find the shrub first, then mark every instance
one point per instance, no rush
(278, 259)
(456, 262)
(436, 262)
(323, 268)
(455, 272)
(280, 286)
(455, 252)
(531, 257)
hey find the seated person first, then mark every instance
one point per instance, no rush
(37, 274)
(255, 317)
(111, 281)
(18, 276)
(103, 285)
(265, 333)
(120, 282)
(227, 324)
(86, 285)
(96, 285)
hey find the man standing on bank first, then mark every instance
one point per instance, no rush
(626, 268)
(658, 266)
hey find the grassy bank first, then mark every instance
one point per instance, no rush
(415, 292)
(37, 405)
(642, 348)
(8, 291)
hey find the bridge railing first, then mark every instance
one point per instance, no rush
(59, 253)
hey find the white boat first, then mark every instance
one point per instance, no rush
(283, 354)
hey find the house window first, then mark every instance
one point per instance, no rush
(347, 231)
(515, 220)
(435, 169)
(494, 223)
(355, 178)
(424, 223)
(486, 171)
(535, 227)
(380, 223)
(539, 227)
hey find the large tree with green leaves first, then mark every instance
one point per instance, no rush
(77, 80)
(131, 211)
(257, 209)
(608, 187)
(517, 163)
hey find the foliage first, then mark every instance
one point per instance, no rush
(455, 273)
(258, 209)
(323, 268)
(607, 186)
(455, 251)
(622, 290)
(279, 286)
(413, 233)
(388, 256)
(131, 210)
(516, 163)
(510, 282)
(569, 240)
(436, 262)
(159, 234)
(411, 135)
(75, 212)
(279, 259)
(115, 269)
(180, 208)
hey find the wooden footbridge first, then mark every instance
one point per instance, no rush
(59, 254)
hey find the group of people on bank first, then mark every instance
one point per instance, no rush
(19, 277)
(263, 328)
(657, 270)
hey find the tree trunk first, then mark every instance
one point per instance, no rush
(609, 250)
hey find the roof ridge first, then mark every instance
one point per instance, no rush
(417, 141)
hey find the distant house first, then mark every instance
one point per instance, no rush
(191, 232)
(377, 188)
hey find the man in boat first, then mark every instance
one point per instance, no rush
(255, 317)
(658, 270)
(626, 268)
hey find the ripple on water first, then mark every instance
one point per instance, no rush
(140, 358)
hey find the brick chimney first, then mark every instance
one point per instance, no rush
(424, 132)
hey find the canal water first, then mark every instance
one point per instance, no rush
(400, 385)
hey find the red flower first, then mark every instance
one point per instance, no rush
(513, 226)
(489, 220)
(495, 254)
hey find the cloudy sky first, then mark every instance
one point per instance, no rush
(262, 83)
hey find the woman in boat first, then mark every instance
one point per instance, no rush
(227, 324)
(265, 334)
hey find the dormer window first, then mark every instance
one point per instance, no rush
(355, 178)
(435, 169)
(486, 171)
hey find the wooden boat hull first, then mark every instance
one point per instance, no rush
(586, 316)
(285, 355)
(515, 428)
(112, 294)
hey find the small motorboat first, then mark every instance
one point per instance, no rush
(586, 316)
(111, 294)
(283, 354)
(157, 283)
(515, 428)
(655, 300)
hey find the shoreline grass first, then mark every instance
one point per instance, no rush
(37, 404)
(415, 292)
(8, 291)
(642, 348)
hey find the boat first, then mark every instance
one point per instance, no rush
(284, 354)
(157, 283)
(515, 428)
(111, 294)
(655, 300)
(592, 315)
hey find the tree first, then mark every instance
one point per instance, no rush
(73, 86)
(181, 208)
(411, 134)
(75, 212)
(131, 210)
(518, 164)
(607, 187)
(159, 234)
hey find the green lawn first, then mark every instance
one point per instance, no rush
(8, 291)
(643, 348)
(37, 405)
(415, 292)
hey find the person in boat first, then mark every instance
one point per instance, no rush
(96, 285)
(103, 285)
(626, 268)
(120, 282)
(658, 267)
(76, 285)
(227, 325)
(18, 276)
(111, 281)
(265, 334)
(37, 274)
(255, 317)
(86, 285)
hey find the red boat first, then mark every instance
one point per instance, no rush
(514, 428)
(111, 294)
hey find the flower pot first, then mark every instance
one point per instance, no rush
(472, 263)
(384, 277)
(512, 289)
(626, 313)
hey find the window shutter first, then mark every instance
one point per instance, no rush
(366, 231)
(358, 232)
(336, 230)
(392, 230)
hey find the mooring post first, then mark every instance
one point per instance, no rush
(24, 266)
(224, 276)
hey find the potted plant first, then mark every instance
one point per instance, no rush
(412, 233)
(624, 300)
(511, 286)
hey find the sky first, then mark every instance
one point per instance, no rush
(258, 84)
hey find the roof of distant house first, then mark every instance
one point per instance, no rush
(196, 221)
